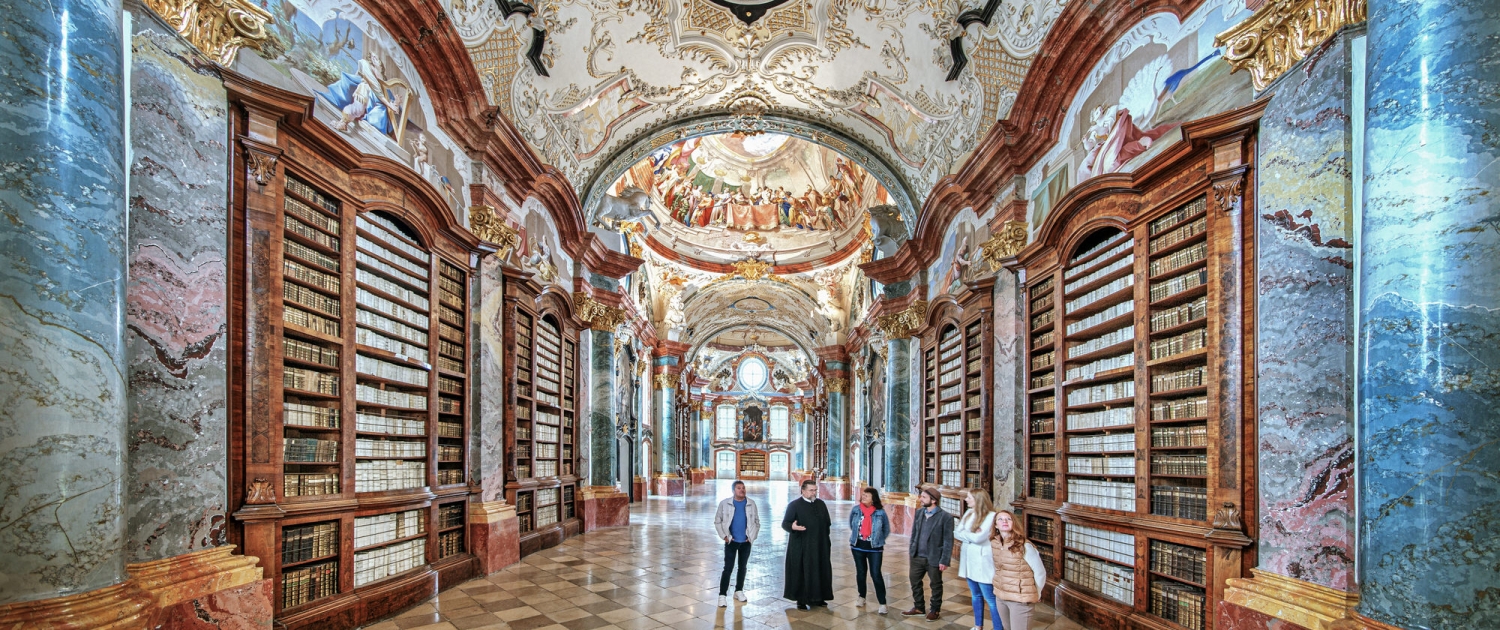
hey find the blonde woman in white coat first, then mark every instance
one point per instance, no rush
(975, 562)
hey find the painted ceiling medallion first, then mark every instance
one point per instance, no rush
(751, 11)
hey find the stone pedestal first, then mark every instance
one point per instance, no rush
(639, 488)
(494, 535)
(667, 485)
(799, 475)
(699, 476)
(900, 508)
(604, 506)
(834, 489)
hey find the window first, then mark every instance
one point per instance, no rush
(725, 461)
(725, 421)
(752, 374)
(781, 424)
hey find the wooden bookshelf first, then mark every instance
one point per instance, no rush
(1139, 489)
(542, 423)
(957, 439)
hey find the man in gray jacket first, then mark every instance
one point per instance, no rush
(931, 548)
(738, 523)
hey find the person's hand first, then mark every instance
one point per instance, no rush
(726, 539)
(797, 527)
(942, 568)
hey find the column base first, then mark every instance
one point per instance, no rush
(639, 488)
(799, 475)
(123, 606)
(603, 507)
(834, 489)
(495, 535)
(698, 476)
(1268, 600)
(667, 485)
(900, 508)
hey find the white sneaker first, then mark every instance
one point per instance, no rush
(860, 602)
(740, 596)
(882, 609)
(723, 601)
(976, 628)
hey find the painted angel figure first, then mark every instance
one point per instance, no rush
(1116, 133)
(540, 260)
(367, 96)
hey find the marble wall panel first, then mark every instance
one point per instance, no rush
(486, 437)
(1305, 370)
(176, 298)
(62, 294)
(245, 607)
(1010, 372)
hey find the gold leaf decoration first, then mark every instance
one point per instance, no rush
(902, 324)
(1282, 32)
(1008, 242)
(219, 28)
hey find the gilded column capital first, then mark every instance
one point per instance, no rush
(1009, 241)
(485, 223)
(901, 325)
(600, 317)
(666, 381)
(1282, 32)
(837, 384)
(219, 28)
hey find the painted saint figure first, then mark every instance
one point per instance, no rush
(367, 96)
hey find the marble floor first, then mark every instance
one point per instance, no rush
(663, 572)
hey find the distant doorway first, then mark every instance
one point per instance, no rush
(780, 466)
(724, 462)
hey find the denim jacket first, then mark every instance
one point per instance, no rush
(878, 530)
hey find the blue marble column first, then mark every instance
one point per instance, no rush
(1429, 317)
(62, 286)
(602, 447)
(799, 445)
(666, 454)
(898, 416)
(837, 427)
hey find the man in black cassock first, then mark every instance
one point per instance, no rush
(809, 569)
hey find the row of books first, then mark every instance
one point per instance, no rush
(451, 349)
(1100, 293)
(546, 468)
(1044, 488)
(1044, 404)
(1101, 443)
(546, 433)
(312, 353)
(380, 475)
(1179, 561)
(1042, 287)
(1179, 315)
(385, 255)
(450, 543)
(1043, 360)
(1179, 259)
(1179, 464)
(305, 584)
(393, 425)
(378, 564)
(317, 323)
(310, 380)
(450, 476)
(309, 450)
(1178, 603)
(383, 528)
(301, 415)
(1122, 466)
(1114, 243)
(451, 365)
(1117, 417)
(950, 443)
(1177, 284)
(451, 284)
(370, 301)
(1189, 341)
(1108, 544)
(450, 316)
(1191, 377)
(389, 448)
(1043, 340)
(1044, 463)
(1179, 235)
(371, 319)
(1110, 495)
(1101, 393)
(1092, 368)
(450, 430)
(1167, 437)
(379, 283)
(370, 261)
(300, 544)
(1043, 319)
(304, 273)
(955, 425)
(390, 371)
(366, 337)
(1042, 303)
(1110, 580)
(1039, 528)
(310, 484)
(306, 213)
(1189, 502)
(1180, 408)
(308, 254)
(1195, 207)
(450, 515)
(449, 385)
(389, 232)
(1103, 271)
(546, 451)
(1044, 445)
(306, 231)
(1046, 380)
(450, 453)
(1103, 341)
(366, 394)
(308, 192)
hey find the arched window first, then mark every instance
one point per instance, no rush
(724, 418)
(781, 424)
(753, 374)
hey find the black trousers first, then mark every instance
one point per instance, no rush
(919, 567)
(869, 561)
(733, 550)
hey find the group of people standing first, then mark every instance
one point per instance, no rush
(1004, 571)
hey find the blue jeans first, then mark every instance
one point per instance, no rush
(981, 594)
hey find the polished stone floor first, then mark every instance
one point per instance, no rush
(663, 572)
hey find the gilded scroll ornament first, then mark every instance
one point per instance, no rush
(901, 325)
(1008, 242)
(219, 28)
(486, 224)
(600, 317)
(1283, 32)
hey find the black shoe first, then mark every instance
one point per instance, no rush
(820, 604)
(803, 607)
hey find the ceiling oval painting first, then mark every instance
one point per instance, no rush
(727, 197)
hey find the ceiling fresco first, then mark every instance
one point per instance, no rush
(726, 197)
(872, 70)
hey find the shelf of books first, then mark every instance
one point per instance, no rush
(543, 418)
(957, 447)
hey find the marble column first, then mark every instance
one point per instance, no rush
(604, 503)
(62, 299)
(835, 486)
(666, 480)
(898, 416)
(494, 528)
(1429, 317)
(1010, 375)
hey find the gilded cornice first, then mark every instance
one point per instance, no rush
(902, 324)
(486, 224)
(1282, 32)
(1009, 241)
(600, 317)
(753, 270)
(219, 28)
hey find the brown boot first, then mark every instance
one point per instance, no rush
(933, 616)
(914, 612)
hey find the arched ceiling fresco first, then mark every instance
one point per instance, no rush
(874, 70)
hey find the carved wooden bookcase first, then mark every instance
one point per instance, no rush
(350, 405)
(1139, 412)
(957, 352)
(542, 425)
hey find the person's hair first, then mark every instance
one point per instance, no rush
(737, 483)
(874, 497)
(1017, 532)
(808, 482)
(982, 508)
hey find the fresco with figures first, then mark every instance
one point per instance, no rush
(1162, 73)
(961, 260)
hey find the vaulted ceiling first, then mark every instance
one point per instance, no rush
(610, 74)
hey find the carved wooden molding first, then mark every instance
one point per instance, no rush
(260, 160)
(600, 317)
(486, 224)
(219, 28)
(1008, 242)
(1228, 194)
(901, 325)
(1283, 32)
